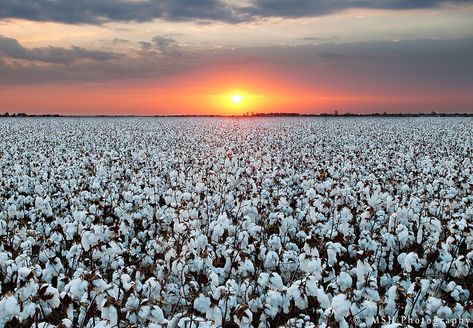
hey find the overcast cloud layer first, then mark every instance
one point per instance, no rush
(417, 63)
(97, 12)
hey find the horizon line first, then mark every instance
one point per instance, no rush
(249, 115)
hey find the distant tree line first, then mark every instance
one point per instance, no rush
(280, 114)
(7, 114)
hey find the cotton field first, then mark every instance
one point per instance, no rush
(244, 222)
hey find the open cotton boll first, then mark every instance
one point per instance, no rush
(344, 281)
(273, 303)
(275, 281)
(109, 312)
(311, 193)
(272, 260)
(202, 304)
(9, 308)
(409, 261)
(323, 299)
(341, 307)
(215, 315)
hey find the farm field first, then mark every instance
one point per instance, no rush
(236, 222)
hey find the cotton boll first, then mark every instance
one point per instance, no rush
(444, 312)
(341, 307)
(214, 314)
(272, 260)
(273, 303)
(344, 281)
(243, 317)
(9, 308)
(311, 193)
(109, 312)
(409, 261)
(157, 315)
(263, 279)
(438, 323)
(275, 281)
(274, 242)
(202, 303)
(323, 299)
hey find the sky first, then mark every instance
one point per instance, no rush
(145, 57)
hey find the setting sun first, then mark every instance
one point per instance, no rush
(237, 98)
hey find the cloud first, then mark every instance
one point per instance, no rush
(98, 12)
(309, 8)
(21, 65)
(362, 66)
(11, 48)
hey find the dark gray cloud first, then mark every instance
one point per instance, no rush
(409, 64)
(11, 48)
(161, 45)
(307, 8)
(97, 12)
(364, 66)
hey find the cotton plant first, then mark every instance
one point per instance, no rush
(256, 223)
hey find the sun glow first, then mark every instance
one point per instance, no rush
(237, 99)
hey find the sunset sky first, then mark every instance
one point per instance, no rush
(147, 57)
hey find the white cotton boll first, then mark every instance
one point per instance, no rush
(310, 265)
(341, 307)
(144, 312)
(202, 303)
(199, 187)
(109, 313)
(186, 196)
(11, 211)
(215, 315)
(332, 257)
(385, 280)
(95, 185)
(263, 279)
(79, 216)
(311, 287)
(275, 281)
(391, 297)
(67, 323)
(52, 296)
(8, 309)
(344, 281)
(76, 287)
(274, 242)
(244, 318)
(29, 310)
(362, 269)
(273, 303)
(323, 299)
(157, 314)
(433, 304)
(311, 193)
(311, 250)
(217, 232)
(24, 272)
(402, 234)
(411, 261)
(246, 268)
(272, 260)
(444, 312)
(438, 323)
(294, 292)
(126, 281)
